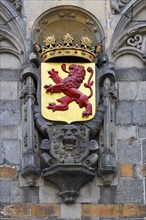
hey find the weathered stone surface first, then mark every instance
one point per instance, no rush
(45, 210)
(143, 170)
(139, 113)
(131, 74)
(125, 132)
(124, 113)
(10, 75)
(24, 194)
(142, 131)
(126, 170)
(128, 90)
(10, 132)
(133, 112)
(127, 149)
(100, 210)
(89, 193)
(9, 90)
(49, 194)
(8, 172)
(144, 150)
(133, 210)
(12, 151)
(141, 90)
(16, 210)
(1, 152)
(5, 191)
(130, 191)
(10, 112)
(70, 210)
(92, 218)
(108, 195)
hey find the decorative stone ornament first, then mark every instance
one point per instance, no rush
(71, 105)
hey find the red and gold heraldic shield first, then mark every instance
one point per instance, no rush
(68, 91)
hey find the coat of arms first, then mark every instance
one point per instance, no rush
(68, 91)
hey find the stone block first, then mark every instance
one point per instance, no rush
(143, 170)
(45, 210)
(49, 194)
(131, 74)
(124, 113)
(144, 150)
(16, 210)
(139, 112)
(93, 218)
(144, 190)
(121, 219)
(100, 210)
(1, 152)
(69, 211)
(141, 90)
(24, 194)
(12, 151)
(125, 132)
(9, 132)
(10, 75)
(17, 192)
(30, 195)
(108, 195)
(142, 131)
(133, 210)
(9, 112)
(8, 172)
(128, 151)
(126, 170)
(130, 191)
(90, 192)
(9, 90)
(128, 90)
(5, 191)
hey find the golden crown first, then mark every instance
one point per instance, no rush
(51, 49)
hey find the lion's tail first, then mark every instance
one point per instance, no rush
(89, 84)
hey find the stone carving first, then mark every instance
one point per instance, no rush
(69, 151)
(117, 5)
(30, 159)
(67, 14)
(135, 41)
(92, 24)
(41, 25)
(17, 4)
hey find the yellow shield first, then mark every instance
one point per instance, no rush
(68, 91)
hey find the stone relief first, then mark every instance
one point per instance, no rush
(17, 4)
(68, 152)
(135, 41)
(118, 5)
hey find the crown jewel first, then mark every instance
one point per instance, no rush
(51, 49)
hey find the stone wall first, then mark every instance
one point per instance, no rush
(125, 201)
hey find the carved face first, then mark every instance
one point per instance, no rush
(69, 143)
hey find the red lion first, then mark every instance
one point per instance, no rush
(69, 86)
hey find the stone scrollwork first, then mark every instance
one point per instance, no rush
(135, 41)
